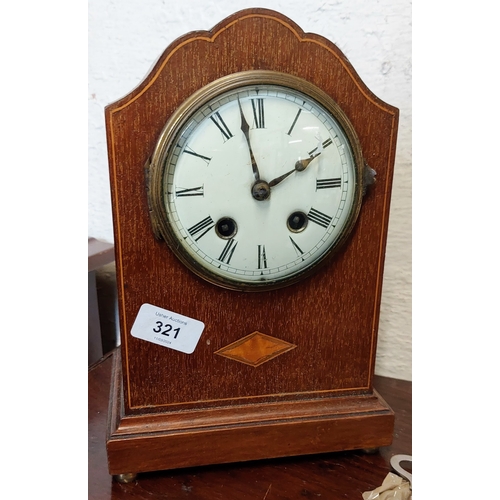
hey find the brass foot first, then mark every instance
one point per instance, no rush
(128, 477)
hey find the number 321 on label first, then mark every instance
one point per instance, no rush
(167, 328)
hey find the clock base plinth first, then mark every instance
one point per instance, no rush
(163, 441)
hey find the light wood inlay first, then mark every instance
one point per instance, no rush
(255, 349)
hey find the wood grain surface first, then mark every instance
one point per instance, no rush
(330, 476)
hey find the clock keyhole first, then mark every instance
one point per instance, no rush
(297, 222)
(226, 228)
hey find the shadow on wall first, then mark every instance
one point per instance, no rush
(108, 307)
(103, 331)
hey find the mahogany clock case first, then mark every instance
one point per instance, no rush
(170, 409)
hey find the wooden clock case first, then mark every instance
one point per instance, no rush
(277, 373)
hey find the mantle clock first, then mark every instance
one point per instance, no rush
(250, 177)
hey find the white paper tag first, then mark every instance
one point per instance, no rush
(167, 328)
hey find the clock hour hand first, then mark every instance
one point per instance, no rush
(281, 178)
(303, 164)
(245, 128)
(300, 165)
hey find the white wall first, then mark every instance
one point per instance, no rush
(126, 37)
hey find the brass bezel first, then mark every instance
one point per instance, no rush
(173, 127)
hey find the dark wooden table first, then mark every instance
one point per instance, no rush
(329, 476)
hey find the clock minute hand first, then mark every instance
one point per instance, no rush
(300, 165)
(245, 128)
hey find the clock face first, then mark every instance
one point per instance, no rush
(258, 184)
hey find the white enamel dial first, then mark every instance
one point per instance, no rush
(259, 185)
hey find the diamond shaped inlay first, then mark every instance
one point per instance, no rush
(255, 349)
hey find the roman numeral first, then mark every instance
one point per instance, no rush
(296, 247)
(258, 112)
(295, 121)
(319, 218)
(189, 151)
(221, 125)
(262, 260)
(194, 191)
(227, 252)
(325, 145)
(328, 183)
(204, 225)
